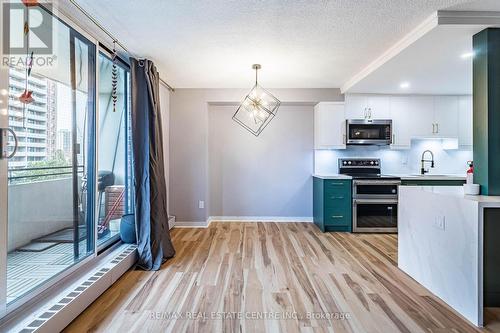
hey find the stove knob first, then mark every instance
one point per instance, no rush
(372, 163)
(345, 162)
(349, 162)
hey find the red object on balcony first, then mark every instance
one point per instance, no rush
(30, 3)
(26, 97)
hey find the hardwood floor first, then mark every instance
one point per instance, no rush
(225, 277)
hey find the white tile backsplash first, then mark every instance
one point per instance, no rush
(398, 161)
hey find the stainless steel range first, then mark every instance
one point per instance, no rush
(374, 196)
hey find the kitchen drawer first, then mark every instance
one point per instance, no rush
(337, 219)
(337, 183)
(337, 188)
(337, 205)
(337, 196)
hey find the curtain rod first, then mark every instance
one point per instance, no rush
(99, 25)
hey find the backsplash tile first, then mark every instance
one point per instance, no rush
(398, 161)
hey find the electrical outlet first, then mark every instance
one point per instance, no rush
(201, 204)
(440, 222)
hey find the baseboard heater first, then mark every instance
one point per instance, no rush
(62, 310)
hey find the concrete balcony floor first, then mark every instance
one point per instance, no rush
(27, 270)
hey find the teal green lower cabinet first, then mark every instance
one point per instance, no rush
(432, 182)
(332, 204)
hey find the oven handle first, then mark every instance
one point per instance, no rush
(375, 201)
(376, 182)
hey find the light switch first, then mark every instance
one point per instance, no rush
(201, 204)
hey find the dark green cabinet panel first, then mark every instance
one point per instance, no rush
(491, 257)
(486, 110)
(332, 204)
(431, 182)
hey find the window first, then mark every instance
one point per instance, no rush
(114, 164)
(50, 219)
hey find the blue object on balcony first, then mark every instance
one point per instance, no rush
(127, 229)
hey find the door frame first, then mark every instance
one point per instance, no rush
(4, 190)
(107, 53)
(48, 288)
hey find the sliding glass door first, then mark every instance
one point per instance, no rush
(47, 185)
(66, 178)
(114, 149)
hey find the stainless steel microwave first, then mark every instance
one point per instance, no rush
(369, 131)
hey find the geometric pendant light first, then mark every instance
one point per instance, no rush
(257, 109)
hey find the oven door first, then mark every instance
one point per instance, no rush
(375, 215)
(375, 189)
(366, 132)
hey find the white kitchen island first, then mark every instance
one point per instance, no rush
(441, 244)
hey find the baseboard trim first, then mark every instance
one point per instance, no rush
(190, 224)
(257, 219)
(280, 219)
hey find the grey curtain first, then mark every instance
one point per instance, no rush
(153, 236)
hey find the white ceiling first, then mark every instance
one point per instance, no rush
(300, 44)
(478, 5)
(431, 65)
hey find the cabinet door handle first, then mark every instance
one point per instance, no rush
(344, 140)
(393, 138)
(437, 127)
(337, 216)
(337, 198)
(433, 128)
(370, 113)
(337, 184)
(365, 113)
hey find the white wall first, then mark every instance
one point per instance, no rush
(265, 176)
(165, 120)
(189, 144)
(399, 161)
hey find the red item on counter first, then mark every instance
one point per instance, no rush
(471, 167)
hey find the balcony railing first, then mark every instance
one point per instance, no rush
(35, 174)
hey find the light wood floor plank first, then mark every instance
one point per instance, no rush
(225, 276)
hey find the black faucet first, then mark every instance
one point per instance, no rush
(423, 160)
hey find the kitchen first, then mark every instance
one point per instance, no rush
(379, 140)
(402, 159)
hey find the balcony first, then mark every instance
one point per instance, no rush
(41, 224)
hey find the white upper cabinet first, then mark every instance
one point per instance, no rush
(356, 106)
(421, 120)
(378, 107)
(329, 125)
(430, 117)
(446, 116)
(401, 113)
(465, 121)
(359, 106)
(413, 116)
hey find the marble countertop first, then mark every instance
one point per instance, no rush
(402, 176)
(458, 191)
(332, 176)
